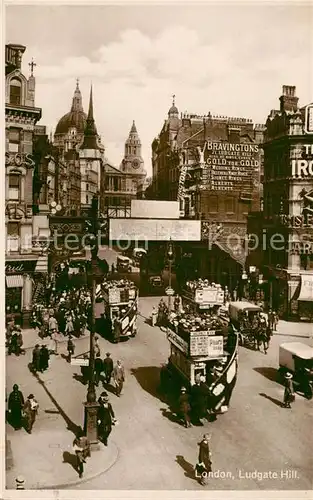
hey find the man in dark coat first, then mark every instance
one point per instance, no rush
(184, 407)
(106, 418)
(108, 368)
(205, 453)
(36, 359)
(15, 406)
(98, 368)
(44, 358)
(199, 400)
(289, 391)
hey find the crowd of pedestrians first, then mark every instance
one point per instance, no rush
(68, 312)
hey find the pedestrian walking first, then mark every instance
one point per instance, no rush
(53, 324)
(19, 343)
(84, 370)
(204, 465)
(69, 327)
(119, 377)
(44, 358)
(13, 343)
(96, 346)
(36, 359)
(54, 342)
(199, 400)
(177, 303)
(184, 407)
(289, 393)
(81, 448)
(70, 349)
(106, 418)
(15, 406)
(276, 320)
(30, 411)
(108, 368)
(98, 368)
(270, 318)
(154, 316)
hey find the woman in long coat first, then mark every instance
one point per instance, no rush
(15, 405)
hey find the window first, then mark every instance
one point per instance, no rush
(14, 187)
(229, 205)
(15, 91)
(12, 237)
(213, 204)
(14, 140)
(87, 199)
(87, 187)
(13, 229)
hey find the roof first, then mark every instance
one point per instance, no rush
(299, 349)
(75, 119)
(242, 305)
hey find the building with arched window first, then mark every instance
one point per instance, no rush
(22, 260)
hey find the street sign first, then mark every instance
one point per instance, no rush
(169, 291)
(79, 362)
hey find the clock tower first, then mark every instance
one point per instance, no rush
(132, 162)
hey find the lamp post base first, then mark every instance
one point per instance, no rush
(91, 424)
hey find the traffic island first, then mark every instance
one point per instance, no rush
(45, 459)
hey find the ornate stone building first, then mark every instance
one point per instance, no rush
(212, 165)
(287, 220)
(24, 259)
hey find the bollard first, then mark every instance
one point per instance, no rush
(20, 483)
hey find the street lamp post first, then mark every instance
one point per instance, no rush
(91, 405)
(170, 259)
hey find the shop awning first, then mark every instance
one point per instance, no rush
(306, 292)
(237, 255)
(14, 281)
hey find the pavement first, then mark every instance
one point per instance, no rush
(45, 458)
(149, 449)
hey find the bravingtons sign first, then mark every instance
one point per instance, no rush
(231, 166)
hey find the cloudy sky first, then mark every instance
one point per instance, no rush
(228, 59)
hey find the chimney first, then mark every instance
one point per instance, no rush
(289, 101)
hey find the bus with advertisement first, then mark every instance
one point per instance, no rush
(116, 309)
(203, 344)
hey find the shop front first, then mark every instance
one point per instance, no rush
(305, 299)
(19, 289)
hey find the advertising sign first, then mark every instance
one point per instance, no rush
(154, 230)
(198, 344)
(20, 266)
(206, 344)
(177, 341)
(209, 295)
(306, 293)
(308, 127)
(215, 346)
(154, 209)
(232, 166)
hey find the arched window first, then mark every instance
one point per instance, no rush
(15, 91)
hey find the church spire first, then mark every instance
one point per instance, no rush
(133, 130)
(90, 134)
(77, 104)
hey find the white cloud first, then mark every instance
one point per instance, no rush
(134, 77)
